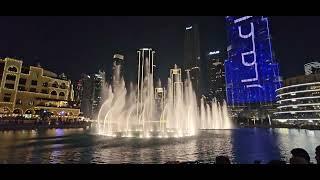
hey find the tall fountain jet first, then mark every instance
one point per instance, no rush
(145, 99)
(145, 111)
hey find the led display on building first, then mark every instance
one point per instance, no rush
(252, 75)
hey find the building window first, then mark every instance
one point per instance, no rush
(28, 112)
(63, 86)
(21, 88)
(45, 84)
(55, 84)
(19, 101)
(13, 69)
(33, 90)
(22, 81)
(61, 94)
(25, 70)
(17, 111)
(6, 99)
(53, 93)
(44, 91)
(34, 82)
(11, 77)
(9, 86)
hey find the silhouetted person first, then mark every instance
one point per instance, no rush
(222, 160)
(277, 162)
(299, 156)
(318, 154)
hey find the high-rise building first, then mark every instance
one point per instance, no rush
(252, 74)
(216, 77)
(192, 56)
(312, 68)
(98, 85)
(90, 89)
(84, 92)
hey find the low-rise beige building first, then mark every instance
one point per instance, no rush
(28, 90)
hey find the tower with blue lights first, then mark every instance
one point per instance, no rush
(252, 74)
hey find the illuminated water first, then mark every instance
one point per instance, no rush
(137, 112)
(80, 146)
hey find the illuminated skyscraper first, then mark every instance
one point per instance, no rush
(252, 74)
(84, 93)
(89, 90)
(216, 77)
(192, 56)
(98, 80)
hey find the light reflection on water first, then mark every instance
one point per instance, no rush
(82, 146)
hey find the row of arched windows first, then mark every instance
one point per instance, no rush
(55, 84)
(54, 93)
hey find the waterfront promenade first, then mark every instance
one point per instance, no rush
(14, 124)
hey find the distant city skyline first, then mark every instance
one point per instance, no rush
(76, 45)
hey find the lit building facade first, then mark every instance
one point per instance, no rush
(89, 89)
(98, 85)
(216, 77)
(299, 99)
(192, 58)
(252, 74)
(312, 68)
(25, 91)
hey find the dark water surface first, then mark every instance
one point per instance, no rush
(83, 146)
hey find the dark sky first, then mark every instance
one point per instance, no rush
(76, 45)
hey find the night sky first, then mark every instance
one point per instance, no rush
(76, 45)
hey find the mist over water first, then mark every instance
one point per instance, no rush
(148, 110)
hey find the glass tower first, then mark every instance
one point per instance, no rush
(252, 74)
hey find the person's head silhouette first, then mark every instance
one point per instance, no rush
(299, 156)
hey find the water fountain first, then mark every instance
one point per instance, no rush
(145, 111)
